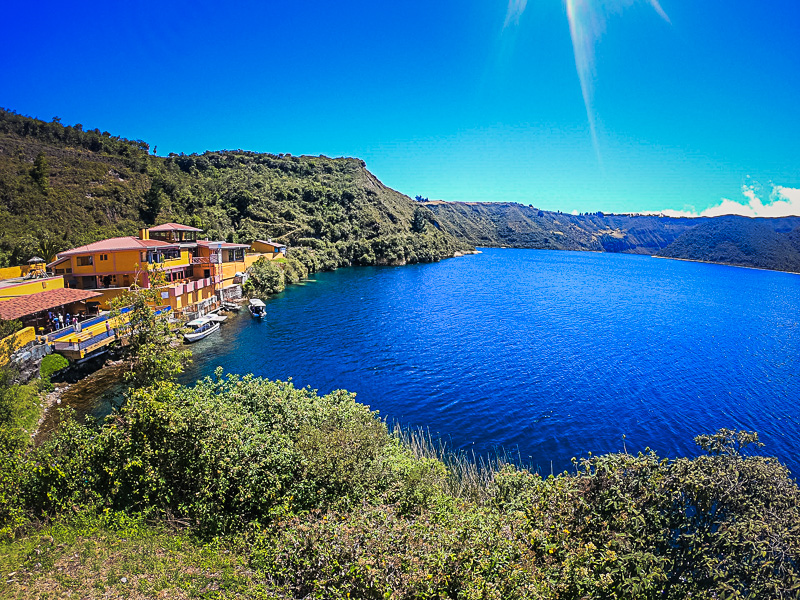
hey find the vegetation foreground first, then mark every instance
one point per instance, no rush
(242, 487)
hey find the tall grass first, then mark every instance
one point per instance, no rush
(470, 476)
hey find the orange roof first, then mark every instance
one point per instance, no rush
(174, 227)
(119, 243)
(33, 303)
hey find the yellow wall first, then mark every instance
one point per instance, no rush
(250, 259)
(31, 287)
(230, 269)
(11, 272)
(264, 247)
(183, 261)
(106, 295)
(121, 261)
(127, 260)
(14, 341)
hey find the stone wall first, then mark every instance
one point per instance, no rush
(26, 360)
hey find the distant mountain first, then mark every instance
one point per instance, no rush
(742, 242)
(64, 186)
(512, 224)
(763, 243)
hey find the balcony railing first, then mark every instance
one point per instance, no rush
(206, 260)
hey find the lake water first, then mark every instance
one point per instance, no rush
(546, 355)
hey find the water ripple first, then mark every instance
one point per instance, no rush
(551, 354)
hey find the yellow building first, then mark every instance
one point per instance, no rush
(198, 272)
(268, 248)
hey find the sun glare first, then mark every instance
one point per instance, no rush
(587, 23)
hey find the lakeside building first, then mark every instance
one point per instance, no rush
(199, 273)
(29, 299)
(269, 247)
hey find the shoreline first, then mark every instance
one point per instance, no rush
(694, 260)
(74, 395)
(709, 262)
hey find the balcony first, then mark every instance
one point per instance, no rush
(187, 287)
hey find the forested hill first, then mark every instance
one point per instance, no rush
(741, 241)
(760, 243)
(63, 186)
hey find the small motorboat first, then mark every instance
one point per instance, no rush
(257, 308)
(201, 327)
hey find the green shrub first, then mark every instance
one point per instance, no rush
(49, 365)
(334, 504)
(266, 278)
(224, 454)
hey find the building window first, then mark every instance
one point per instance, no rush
(104, 257)
(85, 261)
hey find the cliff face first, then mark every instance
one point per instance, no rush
(764, 243)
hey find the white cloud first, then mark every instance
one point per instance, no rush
(515, 10)
(575, 212)
(782, 202)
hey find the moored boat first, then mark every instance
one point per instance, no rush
(201, 327)
(257, 308)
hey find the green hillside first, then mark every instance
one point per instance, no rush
(520, 226)
(62, 186)
(739, 241)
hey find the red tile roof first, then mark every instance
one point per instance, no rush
(33, 303)
(174, 227)
(118, 243)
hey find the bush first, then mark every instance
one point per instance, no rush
(266, 278)
(223, 454)
(50, 364)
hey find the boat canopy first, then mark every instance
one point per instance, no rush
(199, 322)
(256, 302)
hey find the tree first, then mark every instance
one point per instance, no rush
(149, 337)
(40, 172)
(49, 247)
(266, 277)
(154, 201)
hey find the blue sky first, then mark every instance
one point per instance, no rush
(694, 105)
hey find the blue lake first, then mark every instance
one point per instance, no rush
(545, 355)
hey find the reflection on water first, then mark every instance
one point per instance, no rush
(96, 396)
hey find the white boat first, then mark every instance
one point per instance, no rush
(257, 308)
(201, 327)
